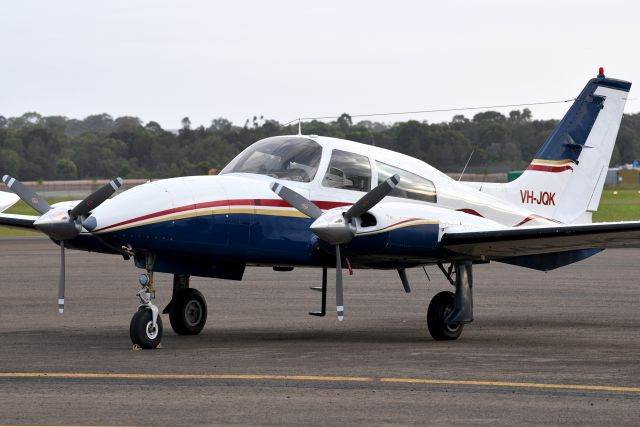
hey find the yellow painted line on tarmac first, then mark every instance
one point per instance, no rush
(180, 376)
(497, 384)
(509, 384)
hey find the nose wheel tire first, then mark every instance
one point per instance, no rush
(188, 312)
(439, 308)
(142, 330)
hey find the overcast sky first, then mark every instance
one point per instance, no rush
(163, 60)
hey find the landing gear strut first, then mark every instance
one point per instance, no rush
(145, 329)
(448, 312)
(187, 309)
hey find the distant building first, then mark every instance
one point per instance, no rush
(624, 176)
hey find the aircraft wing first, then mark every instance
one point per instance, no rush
(7, 200)
(516, 242)
(24, 222)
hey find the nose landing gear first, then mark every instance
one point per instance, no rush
(145, 329)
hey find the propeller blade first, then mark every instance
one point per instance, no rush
(372, 198)
(61, 280)
(299, 202)
(96, 198)
(29, 196)
(339, 296)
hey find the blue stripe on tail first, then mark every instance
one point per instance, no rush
(568, 139)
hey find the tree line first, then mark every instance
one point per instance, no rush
(35, 147)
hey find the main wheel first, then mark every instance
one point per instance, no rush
(143, 332)
(439, 308)
(188, 312)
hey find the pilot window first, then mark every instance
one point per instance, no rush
(411, 186)
(348, 171)
(289, 158)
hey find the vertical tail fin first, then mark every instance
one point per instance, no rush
(565, 179)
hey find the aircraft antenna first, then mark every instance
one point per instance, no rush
(466, 164)
(439, 110)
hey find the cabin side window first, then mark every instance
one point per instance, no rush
(348, 171)
(411, 186)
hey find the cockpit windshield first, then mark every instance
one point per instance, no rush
(290, 158)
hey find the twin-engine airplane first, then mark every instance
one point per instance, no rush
(311, 201)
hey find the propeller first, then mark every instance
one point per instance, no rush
(339, 296)
(299, 202)
(336, 226)
(373, 197)
(29, 196)
(61, 279)
(96, 198)
(60, 223)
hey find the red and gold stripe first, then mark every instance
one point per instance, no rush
(551, 165)
(259, 206)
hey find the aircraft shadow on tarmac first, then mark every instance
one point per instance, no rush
(485, 330)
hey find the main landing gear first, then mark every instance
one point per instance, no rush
(187, 309)
(448, 312)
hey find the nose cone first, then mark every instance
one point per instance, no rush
(57, 224)
(332, 228)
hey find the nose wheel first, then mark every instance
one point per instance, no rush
(145, 328)
(144, 331)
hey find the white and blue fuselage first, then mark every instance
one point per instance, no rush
(206, 225)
